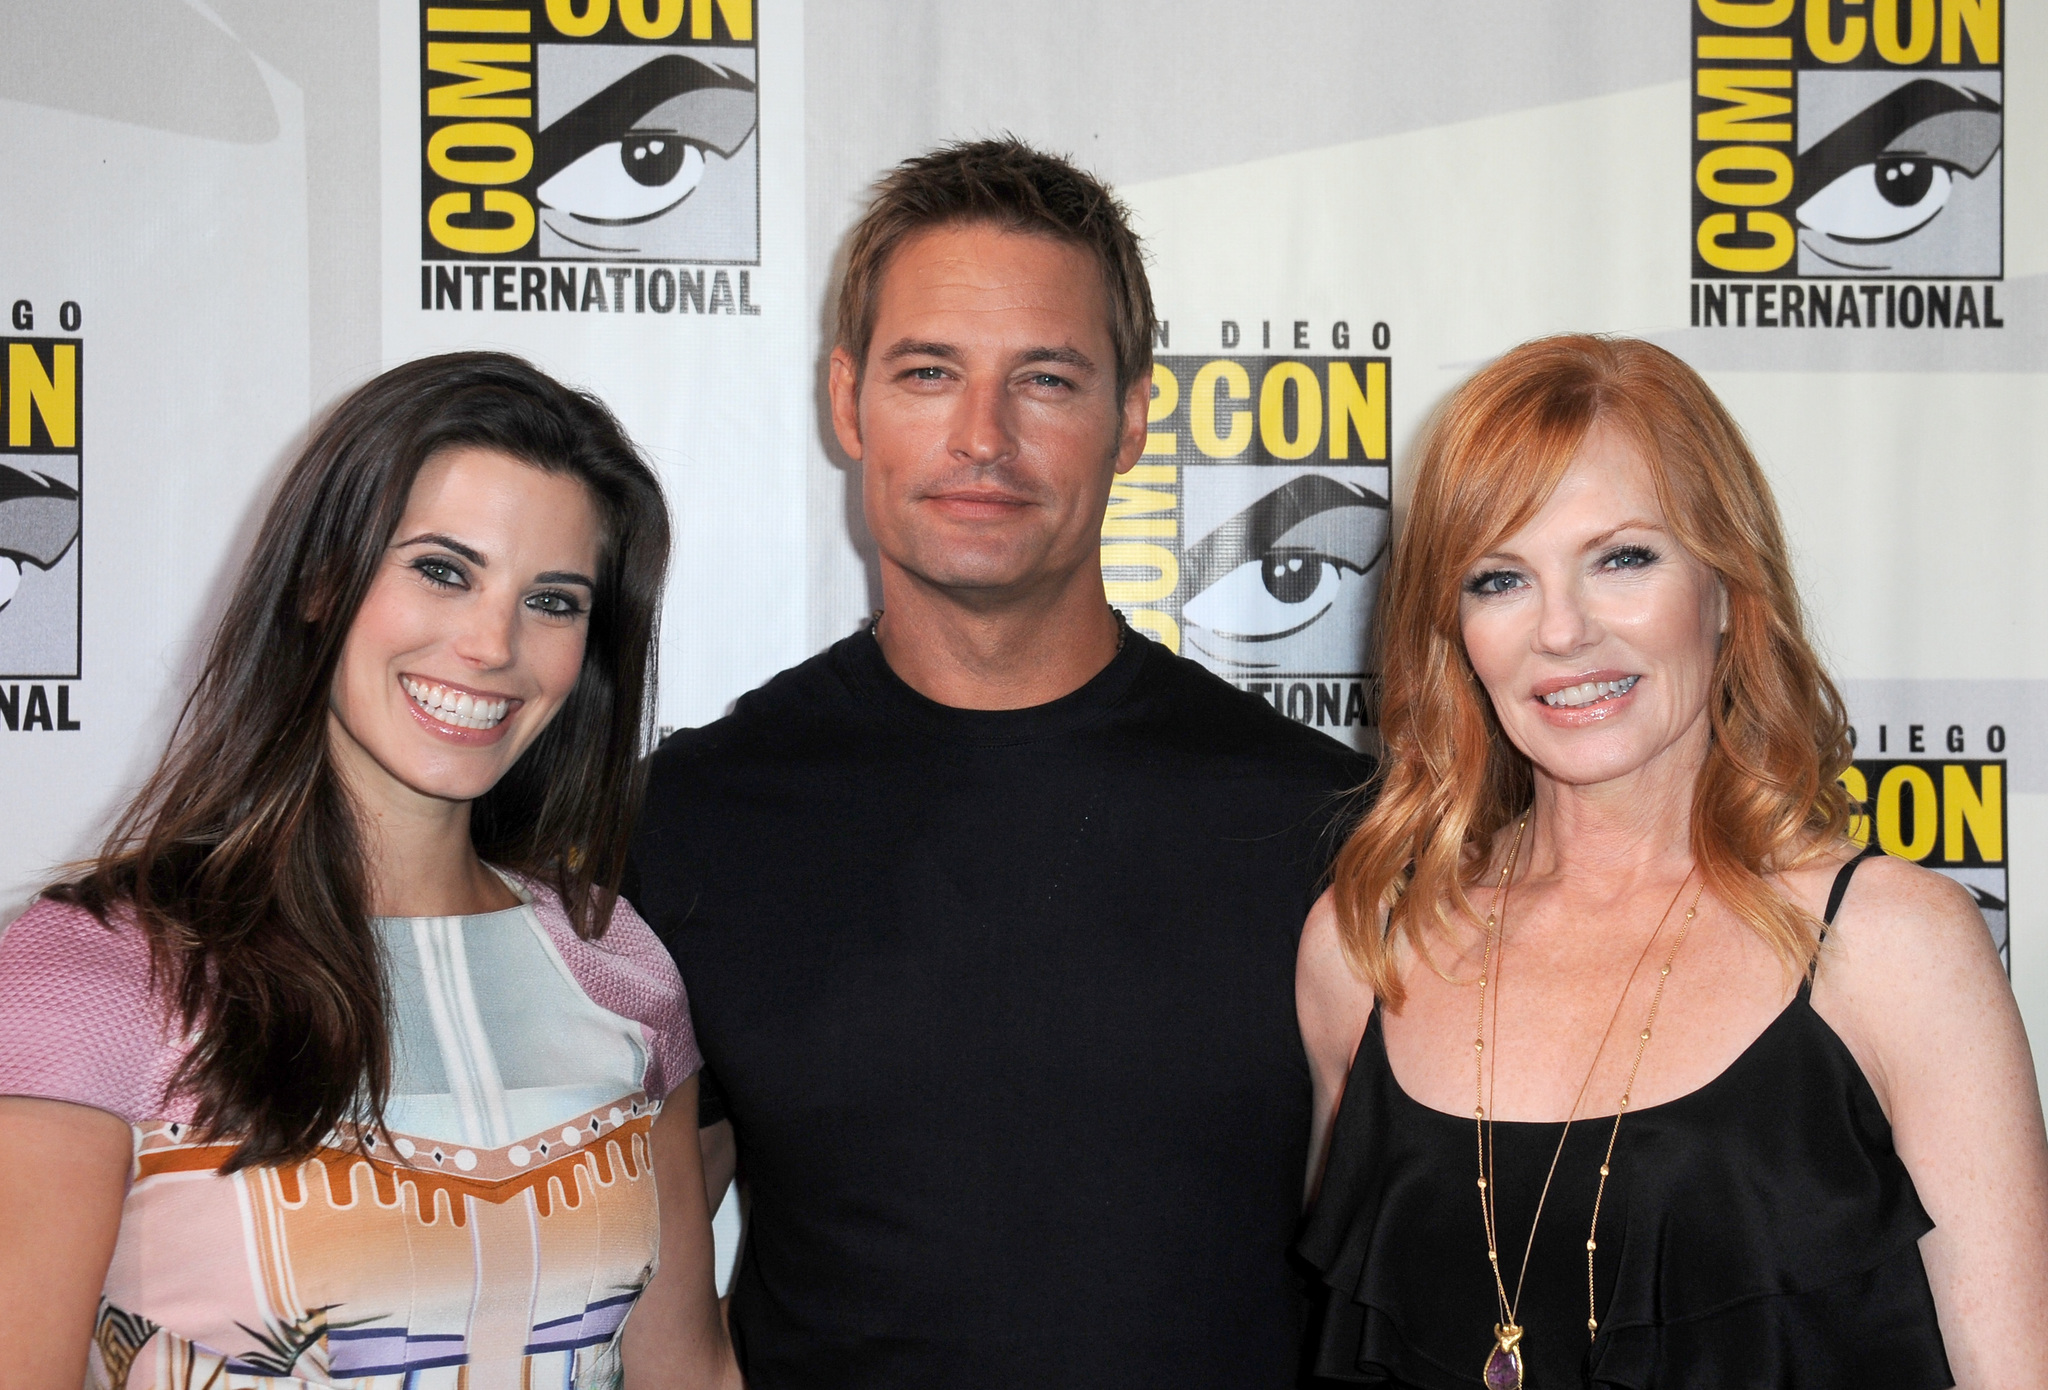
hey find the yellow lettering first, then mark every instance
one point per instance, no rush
(1820, 33)
(668, 17)
(52, 395)
(1926, 825)
(1237, 386)
(478, 96)
(479, 21)
(481, 241)
(1132, 504)
(1980, 17)
(1760, 14)
(562, 14)
(1362, 411)
(1745, 260)
(1858, 786)
(1308, 411)
(1884, 28)
(1165, 400)
(1963, 805)
(1140, 555)
(1746, 46)
(1743, 119)
(739, 18)
(480, 135)
(1759, 159)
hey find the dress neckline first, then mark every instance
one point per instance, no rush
(1799, 1001)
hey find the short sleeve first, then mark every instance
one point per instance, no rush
(628, 972)
(78, 1019)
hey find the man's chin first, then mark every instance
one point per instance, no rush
(986, 574)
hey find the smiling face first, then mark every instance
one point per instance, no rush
(1593, 630)
(988, 420)
(471, 635)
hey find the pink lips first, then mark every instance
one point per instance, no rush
(451, 733)
(1579, 716)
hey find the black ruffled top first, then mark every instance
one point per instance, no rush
(1760, 1231)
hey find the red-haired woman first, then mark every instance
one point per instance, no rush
(343, 1064)
(1648, 1077)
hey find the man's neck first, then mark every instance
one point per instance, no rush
(995, 656)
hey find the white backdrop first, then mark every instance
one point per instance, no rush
(236, 198)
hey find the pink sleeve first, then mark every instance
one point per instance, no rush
(78, 1021)
(628, 971)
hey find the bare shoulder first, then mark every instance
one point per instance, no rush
(1898, 922)
(1331, 999)
(1321, 963)
(1910, 978)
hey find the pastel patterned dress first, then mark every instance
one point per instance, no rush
(502, 1244)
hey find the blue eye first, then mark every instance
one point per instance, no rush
(1630, 557)
(1493, 582)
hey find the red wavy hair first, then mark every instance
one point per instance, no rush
(1766, 797)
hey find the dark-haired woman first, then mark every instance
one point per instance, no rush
(343, 1064)
(1649, 1077)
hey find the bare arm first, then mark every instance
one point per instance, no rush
(1332, 1004)
(63, 1176)
(675, 1338)
(1912, 983)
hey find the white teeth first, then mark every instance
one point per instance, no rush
(1573, 696)
(459, 708)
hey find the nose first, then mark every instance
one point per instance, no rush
(488, 635)
(1564, 623)
(982, 430)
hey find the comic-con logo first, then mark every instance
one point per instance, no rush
(39, 523)
(1252, 534)
(590, 130)
(1848, 140)
(1948, 815)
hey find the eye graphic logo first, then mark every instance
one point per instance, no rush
(1287, 583)
(652, 166)
(1252, 535)
(1845, 140)
(40, 511)
(1903, 183)
(577, 130)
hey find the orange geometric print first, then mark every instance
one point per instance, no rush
(620, 1151)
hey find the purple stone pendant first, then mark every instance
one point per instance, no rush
(1504, 1362)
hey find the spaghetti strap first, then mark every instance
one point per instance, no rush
(1841, 888)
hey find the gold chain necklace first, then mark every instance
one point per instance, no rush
(1504, 1363)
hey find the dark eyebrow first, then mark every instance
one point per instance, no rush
(1975, 127)
(910, 347)
(1065, 356)
(447, 542)
(566, 577)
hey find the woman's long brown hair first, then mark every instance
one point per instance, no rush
(1767, 797)
(241, 857)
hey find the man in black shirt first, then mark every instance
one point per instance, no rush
(988, 914)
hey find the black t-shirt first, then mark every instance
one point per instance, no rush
(1001, 1006)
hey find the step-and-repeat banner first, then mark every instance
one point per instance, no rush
(223, 214)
